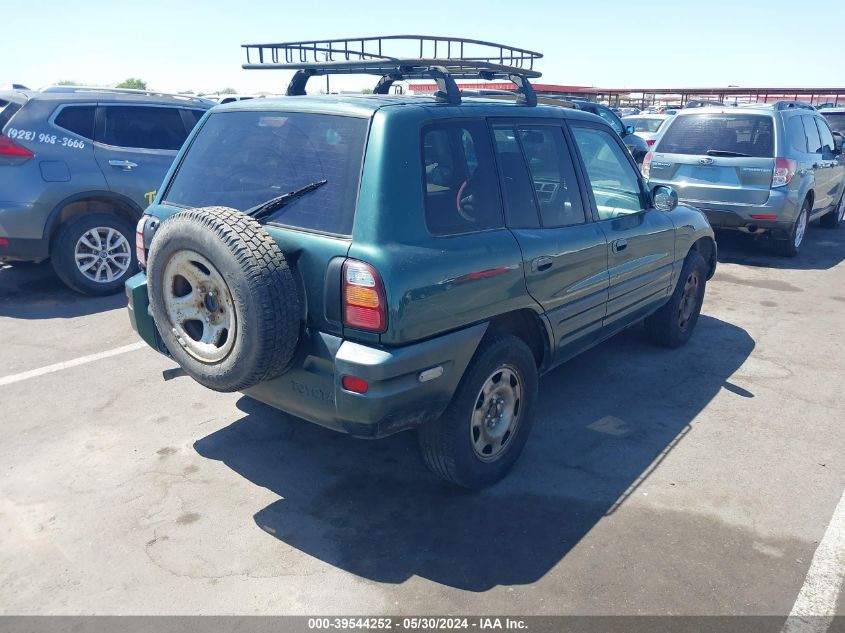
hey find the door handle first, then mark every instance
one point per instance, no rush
(540, 264)
(620, 245)
(125, 165)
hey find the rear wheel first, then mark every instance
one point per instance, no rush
(483, 431)
(833, 219)
(673, 324)
(94, 254)
(791, 246)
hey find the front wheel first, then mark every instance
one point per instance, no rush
(673, 324)
(833, 219)
(483, 431)
(94, 254)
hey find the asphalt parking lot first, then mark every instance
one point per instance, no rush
(693, 481)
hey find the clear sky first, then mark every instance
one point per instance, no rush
(176, 45)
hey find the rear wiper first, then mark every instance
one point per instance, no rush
(726, 152)
(261, 211)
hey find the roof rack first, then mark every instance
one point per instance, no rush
(790, 104)
(443, 59)
(131, 91)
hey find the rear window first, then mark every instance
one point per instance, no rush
(242, 159)
(645, 125)
(739, 134)
(836, 121)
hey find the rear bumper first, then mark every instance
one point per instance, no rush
(740, 217)
(311, 389)
(23, 226)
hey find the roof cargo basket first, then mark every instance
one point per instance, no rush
(401, 57)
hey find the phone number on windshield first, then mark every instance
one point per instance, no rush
(386, 624)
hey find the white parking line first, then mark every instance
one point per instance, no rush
(49, 369)
(816, 604)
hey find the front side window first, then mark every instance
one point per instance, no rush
(242, 159)
(729, 134)
(614, 182)
(608, 116)
(142, 127)
(459, 176)
(826, 137)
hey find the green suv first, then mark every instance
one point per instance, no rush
(384, 262)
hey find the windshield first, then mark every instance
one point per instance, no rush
(836, 121)
(243, 159)
(745, 134)
(644, 125)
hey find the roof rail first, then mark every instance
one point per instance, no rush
(443, 59)
(134, 91)
(790, 104)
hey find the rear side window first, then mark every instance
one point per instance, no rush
(835, 120)
(7, 111)
(242, 159)
(795, 132)
(193, 117)
(645, 125)
(77, 119)
(814, 141)
(143, 127)
(459, 175)
(732, 134)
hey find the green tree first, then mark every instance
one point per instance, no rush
(227, 91)
(67, 82)
(132, 82)
(367, 91)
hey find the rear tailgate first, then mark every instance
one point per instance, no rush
(725, 157)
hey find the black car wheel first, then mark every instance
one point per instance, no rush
(673, 324)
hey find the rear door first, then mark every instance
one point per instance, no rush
(640, 239)
(134, 146)
(564, 252)
(830, 171)
(717, 157)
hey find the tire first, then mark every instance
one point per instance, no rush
(451, 445)
(77, 241)
(673, 324)
(833, 219)
(223, 298)
(791, 246)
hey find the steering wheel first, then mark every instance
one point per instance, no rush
(465, 205)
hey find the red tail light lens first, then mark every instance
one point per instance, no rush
(353, 383)
(140, 255)
(649, 142)
(364, 305)
(783, 172)
(8, 147)
(646, 166)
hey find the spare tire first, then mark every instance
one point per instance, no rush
(223, 298)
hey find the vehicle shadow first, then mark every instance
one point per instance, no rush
(604, 421)
(34, 292)
(822, 249)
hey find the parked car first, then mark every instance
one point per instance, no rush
(228, 98)
(628, 111)
(433, 256)
(636, 145)
(77, 168)
(647, 126)
(768, 169)
(835, 118)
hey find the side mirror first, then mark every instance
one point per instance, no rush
(665, 198)
(837, 142)
(630, 129)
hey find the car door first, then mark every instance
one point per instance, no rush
(134, 145)
(830, 174)
(564, 252)
(815, 165)
(640, 239)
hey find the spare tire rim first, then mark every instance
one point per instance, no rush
(199, 307)
(497, 413)
(102, 254)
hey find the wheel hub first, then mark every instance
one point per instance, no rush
(497, 414)
(102, 254)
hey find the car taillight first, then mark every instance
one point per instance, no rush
(783, 172)
(140, 255)
(649, 142)
(364, 305)
(8, 147)
(646, 166)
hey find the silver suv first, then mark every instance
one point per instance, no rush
(77, 168)
(765, 169)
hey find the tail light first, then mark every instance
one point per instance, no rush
(8, 147)
(783, 172)
(140, 255)
(646, 166)
(649, 142)
(364, 305)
